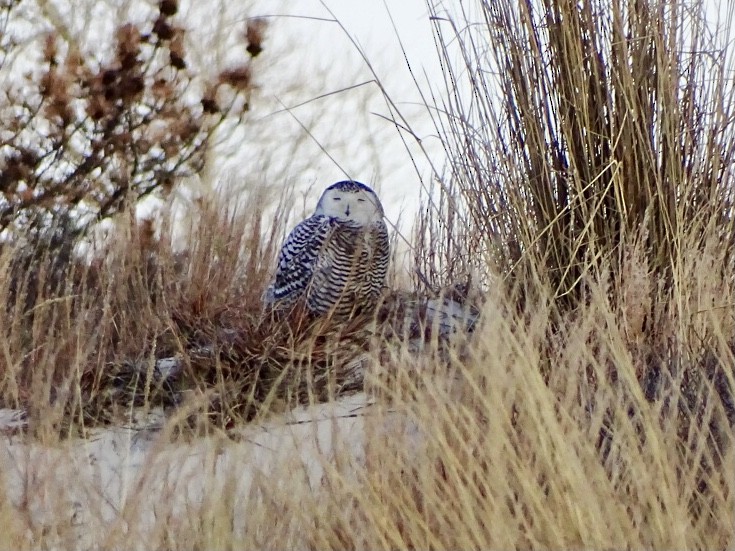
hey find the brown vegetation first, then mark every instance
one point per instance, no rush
(588, 198)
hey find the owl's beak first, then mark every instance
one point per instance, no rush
(347, 212)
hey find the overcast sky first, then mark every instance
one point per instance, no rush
(348, 132)
(361, 142)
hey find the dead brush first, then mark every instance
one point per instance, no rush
(537, 446)
(139, 302)
(258, 364)
(92, 128)
(590, 147)
(589, 151)
(128, 304)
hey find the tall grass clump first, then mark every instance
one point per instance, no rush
(589, 185)
(594, 143)
(572, 128)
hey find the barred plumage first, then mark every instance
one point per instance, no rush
(337, 259)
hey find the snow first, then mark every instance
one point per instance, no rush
(129, 479)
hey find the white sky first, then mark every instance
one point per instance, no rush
(356, 135)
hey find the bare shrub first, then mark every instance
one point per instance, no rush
(87, 132)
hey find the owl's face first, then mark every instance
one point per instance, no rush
(351, 201)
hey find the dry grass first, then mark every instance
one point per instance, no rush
(534, 447)
(549, 429)
(589, 197)
(571, 130)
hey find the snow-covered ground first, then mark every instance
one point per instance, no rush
(127, 480)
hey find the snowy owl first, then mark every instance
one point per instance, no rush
(338, 258)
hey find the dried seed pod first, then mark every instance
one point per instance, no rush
(168, 7)
(254, 32)
(162, 29)
(50, 49)
(177, 61)
(239, 77)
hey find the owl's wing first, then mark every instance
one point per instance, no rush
(298, 258)
(380, 256)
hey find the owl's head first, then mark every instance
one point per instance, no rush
(350, 200)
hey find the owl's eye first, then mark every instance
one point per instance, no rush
(336, 198)
(361, 200)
